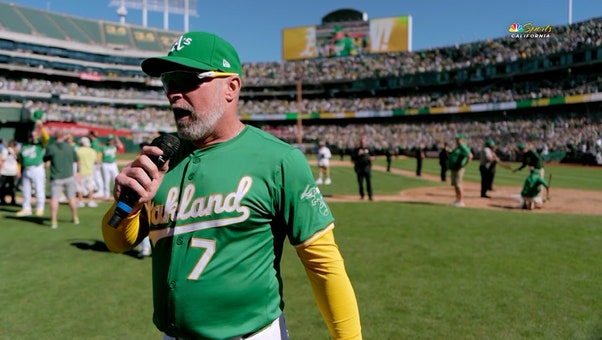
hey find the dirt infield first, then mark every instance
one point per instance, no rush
(502, 198)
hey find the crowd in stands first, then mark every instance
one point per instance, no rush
(564, 133)
(491, 51)
(158, 118)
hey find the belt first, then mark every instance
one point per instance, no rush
(281, 325)
(248, 335)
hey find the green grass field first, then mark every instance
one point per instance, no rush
(420, 271)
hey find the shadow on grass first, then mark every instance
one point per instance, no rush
(31, 219)
(420, 203)
(506, 206)
(99, 246)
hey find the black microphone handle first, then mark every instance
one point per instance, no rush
(128, 197)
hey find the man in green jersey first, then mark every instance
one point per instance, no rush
(531, 158)
(457, 161)
(33, 174)
(342, 44)
(531, 190)
(219, 211)
(109, 163)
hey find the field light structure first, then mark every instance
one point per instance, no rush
(184, 7)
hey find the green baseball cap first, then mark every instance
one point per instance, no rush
(460, 136)
(490, 143)
(37, 115)
(521, 145)
(196, 51)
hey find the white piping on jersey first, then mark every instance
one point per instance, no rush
(156, 235)
(214, 204)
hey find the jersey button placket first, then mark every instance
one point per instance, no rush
(195, 161)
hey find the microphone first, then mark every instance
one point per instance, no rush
(128, 197)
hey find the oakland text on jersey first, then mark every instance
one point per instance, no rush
(193, 207)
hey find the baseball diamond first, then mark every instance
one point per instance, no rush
(504, 197)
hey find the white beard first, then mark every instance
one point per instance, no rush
(202, 124)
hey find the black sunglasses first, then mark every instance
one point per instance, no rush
(185, 81)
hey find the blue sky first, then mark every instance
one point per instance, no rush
(254, 27)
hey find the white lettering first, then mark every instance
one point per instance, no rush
(191, 207)
(180, 44)
(380, 33)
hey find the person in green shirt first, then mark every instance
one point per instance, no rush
(219, 211)
(456, 163)
(61, 157)
(531, 158)
(109, 164)
(531, 190)
(33, 174)
(342, 44)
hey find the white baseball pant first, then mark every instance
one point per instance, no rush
(34, 177)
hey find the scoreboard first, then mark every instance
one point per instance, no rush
(392, 34)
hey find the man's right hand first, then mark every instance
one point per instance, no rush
(141, 175)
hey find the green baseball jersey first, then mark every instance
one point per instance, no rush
(532, 158)
(95, 144)
(218, 223)
(109, 154)
(344, 47)
(458, 157)
(32, 153)
(533, 184)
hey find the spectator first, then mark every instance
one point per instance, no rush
(362, 159)
(8, 172)
(487, 163)
(420, 156)
(324, 156)
(86, 185)
(109, 164)
(61, 157)
(33, 174)
(443, 156)
(458, 159)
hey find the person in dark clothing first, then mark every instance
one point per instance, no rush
(362, 159)
(388, 156)
(8, 172)
(443, 156)
(487, 161)
(531, 158)
(420, 155)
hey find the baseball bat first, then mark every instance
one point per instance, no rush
(549, 186)
(505, 165)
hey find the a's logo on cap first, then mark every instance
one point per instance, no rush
(225, 63)
(180, 44)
